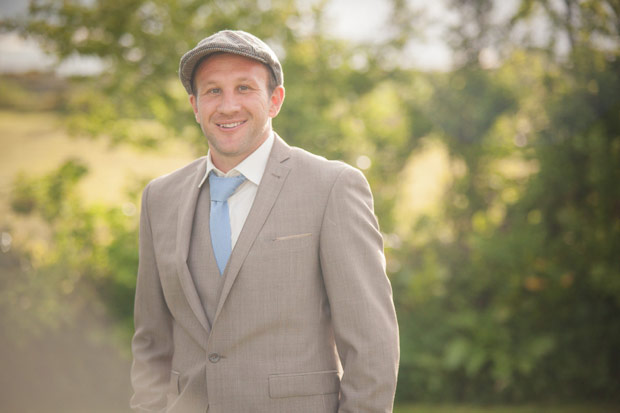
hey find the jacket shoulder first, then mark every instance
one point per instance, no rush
(308, 160)
(322, 168)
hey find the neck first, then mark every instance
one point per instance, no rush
(225, 162)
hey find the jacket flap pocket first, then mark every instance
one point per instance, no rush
(304, 384)
(174, 382)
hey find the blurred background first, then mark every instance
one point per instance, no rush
(489, 132)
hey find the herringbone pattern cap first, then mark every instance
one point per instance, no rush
(229, 41)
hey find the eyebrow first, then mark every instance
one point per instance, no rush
(240, 79)
(207, 84)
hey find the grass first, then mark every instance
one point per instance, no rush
(36, 143)
(416, 408)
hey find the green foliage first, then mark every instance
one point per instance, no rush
(508, 291)
(138, 97)
(83, 256)
(525, 282)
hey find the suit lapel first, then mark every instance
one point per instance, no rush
(187, 208)
(268, 190)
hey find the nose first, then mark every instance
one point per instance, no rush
(228, 103)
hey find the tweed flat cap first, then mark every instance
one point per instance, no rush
(229, 41)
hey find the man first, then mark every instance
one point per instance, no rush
(261, 285)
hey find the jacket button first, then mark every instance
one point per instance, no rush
(214, 357)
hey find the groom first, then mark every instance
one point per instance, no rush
(261, 285)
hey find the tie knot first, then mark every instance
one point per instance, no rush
(222, 187)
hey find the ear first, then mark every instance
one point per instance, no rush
(194, 103)
(276, 100)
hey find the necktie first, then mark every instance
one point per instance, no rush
(221, 188)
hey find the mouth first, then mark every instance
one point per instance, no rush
(230, 125)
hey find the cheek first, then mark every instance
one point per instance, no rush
(202, 111)
(265, 107)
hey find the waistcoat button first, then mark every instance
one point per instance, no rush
(214, 357)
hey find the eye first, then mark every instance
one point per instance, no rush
(213, 91)
(244, 88)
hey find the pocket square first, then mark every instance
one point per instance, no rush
(287, 237)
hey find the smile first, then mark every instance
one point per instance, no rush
(230, 125)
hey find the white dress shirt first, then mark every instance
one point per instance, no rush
(240, 202)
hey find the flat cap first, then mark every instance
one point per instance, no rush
(229, 41)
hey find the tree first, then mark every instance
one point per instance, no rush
(518, 264)
(508, 290)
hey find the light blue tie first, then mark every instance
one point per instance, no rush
(221, 188)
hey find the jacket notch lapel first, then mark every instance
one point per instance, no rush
(187, 209)
(273, 179)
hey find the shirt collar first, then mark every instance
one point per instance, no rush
(252, 167)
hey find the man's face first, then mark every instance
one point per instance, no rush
(233, 106)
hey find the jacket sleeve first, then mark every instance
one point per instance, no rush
(360, 297)
(152, 343)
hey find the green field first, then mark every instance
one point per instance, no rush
(503, 409)
(37, 142)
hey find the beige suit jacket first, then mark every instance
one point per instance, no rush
(302, 319)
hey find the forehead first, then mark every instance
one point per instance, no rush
(222, 66)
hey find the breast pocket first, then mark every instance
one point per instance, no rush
(304, 384)
(285, 243)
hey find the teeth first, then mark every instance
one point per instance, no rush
(230, 125)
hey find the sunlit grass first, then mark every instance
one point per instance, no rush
(503, 409)
(37, 142)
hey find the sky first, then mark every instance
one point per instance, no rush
(374, 16)
(358, 20)
(20, 55)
